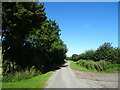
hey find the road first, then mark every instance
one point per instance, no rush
(70, 78)
(64, 78)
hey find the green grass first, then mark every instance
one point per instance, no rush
(114, 68)
(35, 82)
(67, 60)
(21, 75)
(75, 66)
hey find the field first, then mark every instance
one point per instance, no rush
(95, 66)
(35, 82)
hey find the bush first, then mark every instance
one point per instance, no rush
(21, 75)
(104, 52)
(91, 65)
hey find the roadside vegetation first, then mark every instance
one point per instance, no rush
(98, 67)
(32, 47)
(35, 82)
(21, 75)
(106, 59)
(31, 44)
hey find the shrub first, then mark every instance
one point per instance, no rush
(98, 66)
(21, 75)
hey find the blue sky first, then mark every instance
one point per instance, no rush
(85, 25)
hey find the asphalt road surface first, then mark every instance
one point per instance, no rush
(70, 78)
(64, 78)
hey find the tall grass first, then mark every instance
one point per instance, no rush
(34, 83)
(21, 75)
(100, 66)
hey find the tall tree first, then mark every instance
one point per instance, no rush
(50, 47)
(103, 52)
(29, 39)
(19, 18)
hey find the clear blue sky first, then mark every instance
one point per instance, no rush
(85, 25)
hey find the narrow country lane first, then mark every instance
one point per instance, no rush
(64, 78)
(69, 78)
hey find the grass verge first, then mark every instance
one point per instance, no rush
(35, 82)
(114, 68)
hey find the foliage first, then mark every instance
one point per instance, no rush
(75, 57)
(18, 20)
(29, 39)
(21, 75)
(75, 66)
(35, 82)
(68, 58)
(98, 67)
(105, 52)
(53, 49)
(89, 55)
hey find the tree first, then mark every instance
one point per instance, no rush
(89, 55)
(50, 48)
(29, 39)
(104, 51)
(68, 58)
(75, 57)
(18, 20)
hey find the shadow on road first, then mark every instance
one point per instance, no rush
(64, 66)
(58, 67)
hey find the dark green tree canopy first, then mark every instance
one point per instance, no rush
(29, 39)
(104, 52)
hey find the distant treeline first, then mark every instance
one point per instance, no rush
(29, 39)
(105, 52)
